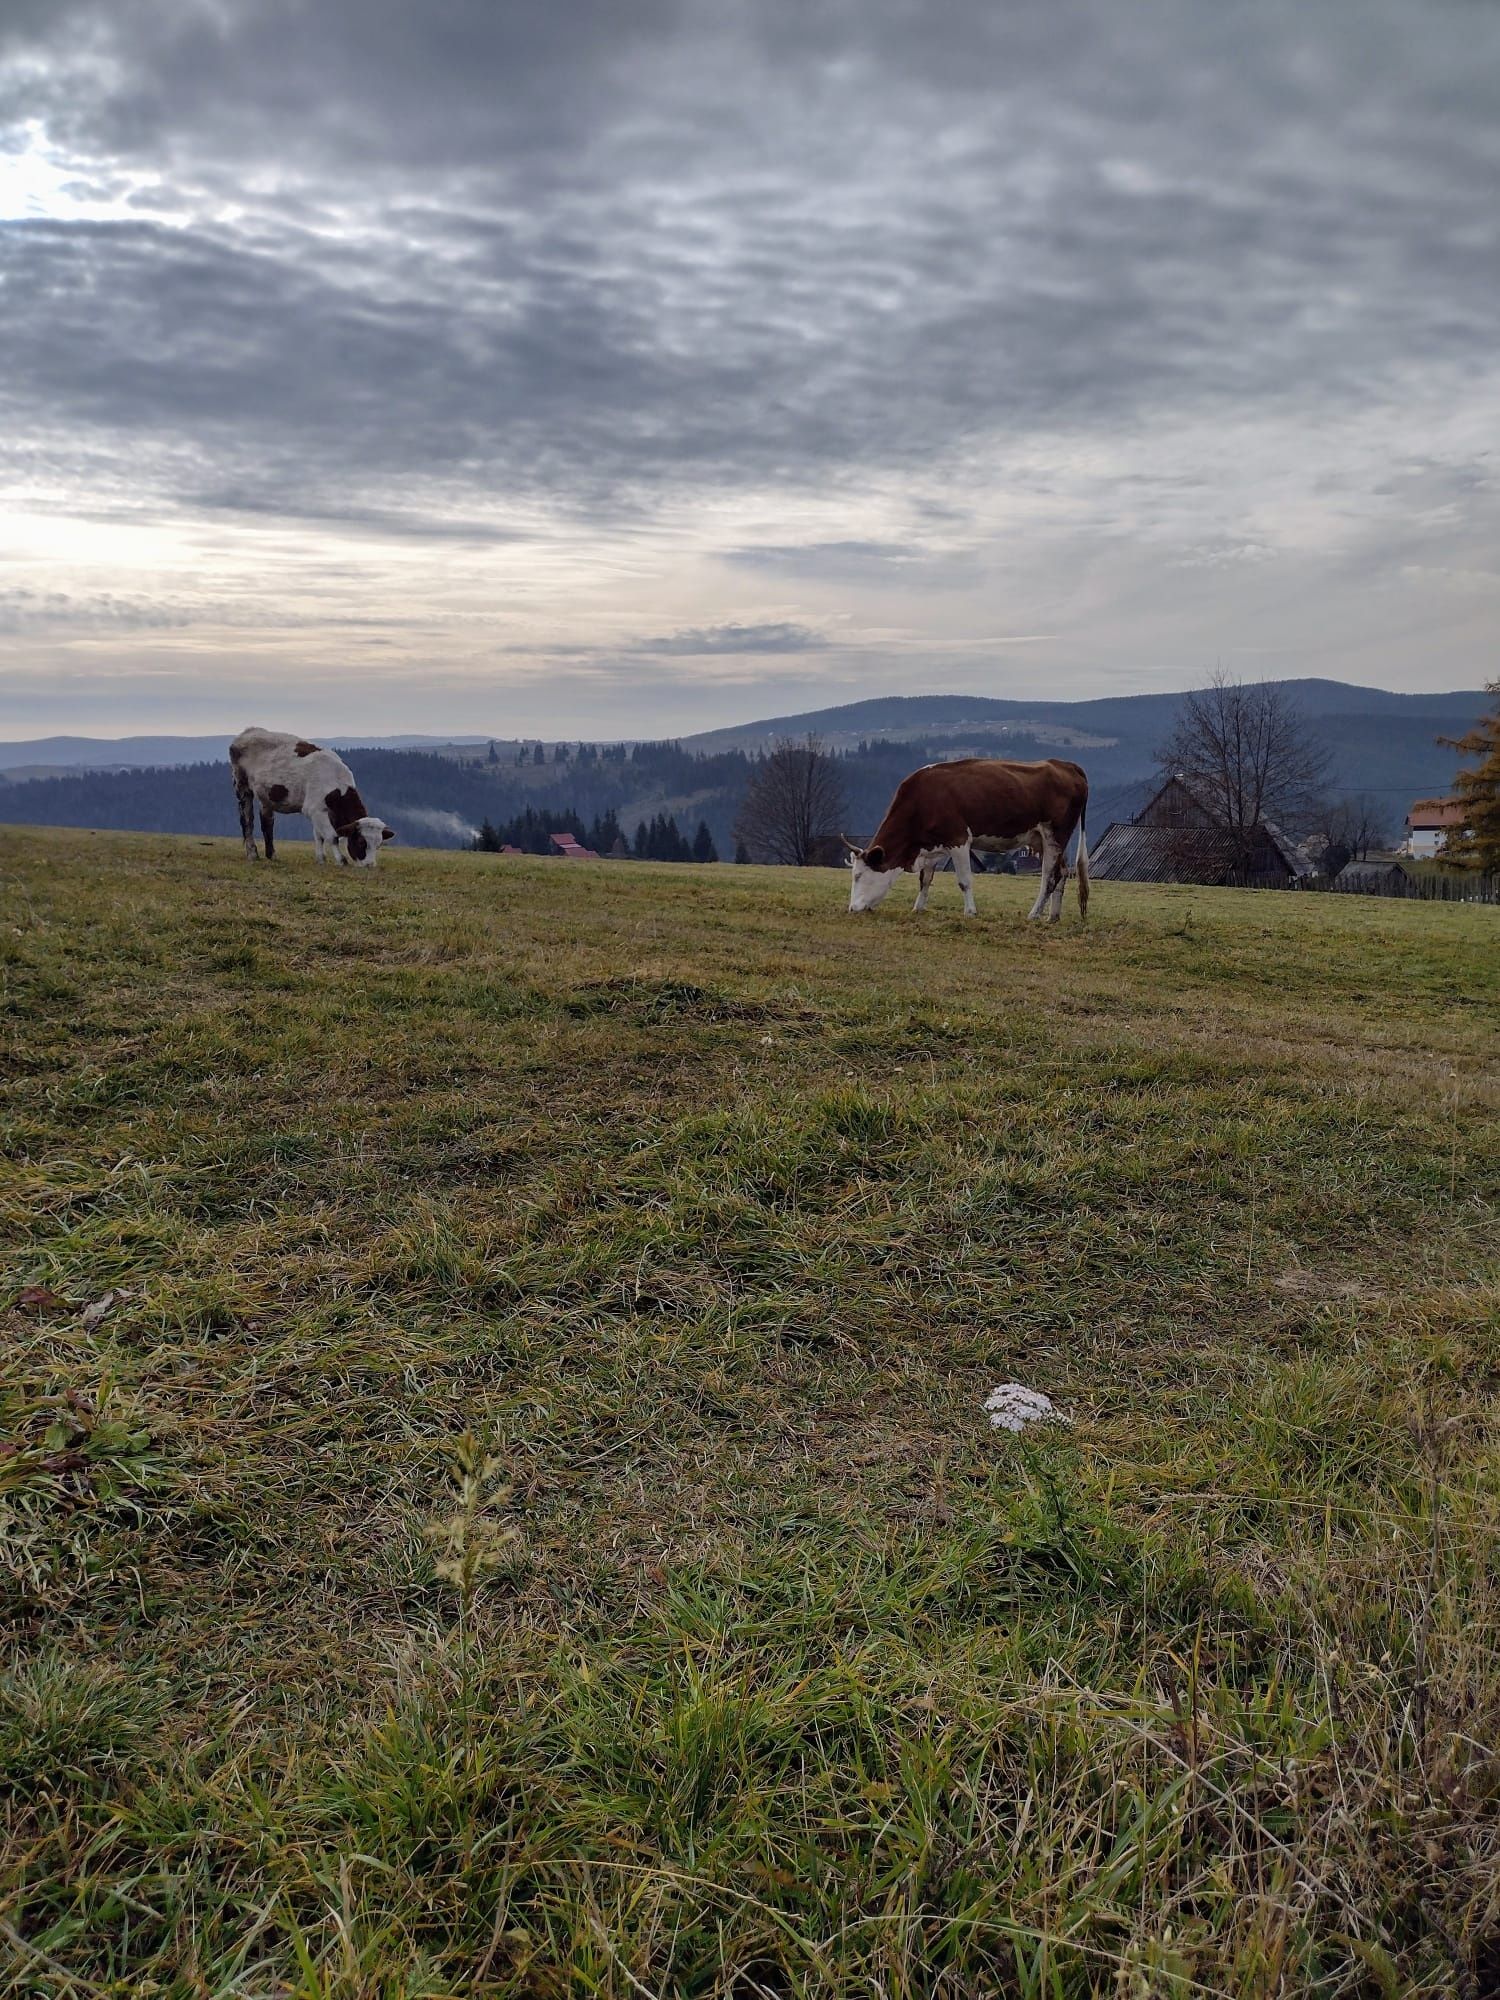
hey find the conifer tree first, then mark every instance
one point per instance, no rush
(1476, 844)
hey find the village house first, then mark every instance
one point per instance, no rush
(1428, 825)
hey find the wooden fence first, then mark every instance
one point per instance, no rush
(1447, 885)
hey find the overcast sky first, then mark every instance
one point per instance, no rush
(588, 367)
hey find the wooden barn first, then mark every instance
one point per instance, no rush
(1176, 837)
(1372, 878)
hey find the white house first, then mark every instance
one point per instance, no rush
(1428, 825)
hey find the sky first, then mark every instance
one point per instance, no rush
(625, 367)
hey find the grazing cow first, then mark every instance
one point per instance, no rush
(945, 810)
(287, 774)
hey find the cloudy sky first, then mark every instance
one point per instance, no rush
(629, 366)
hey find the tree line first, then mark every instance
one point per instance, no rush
(657, 839)
(532, 832)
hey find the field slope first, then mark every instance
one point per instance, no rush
(525, 1520)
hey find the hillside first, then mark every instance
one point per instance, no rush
(436, 794)
(135, 753)
(520, 1515)
(1136, 718)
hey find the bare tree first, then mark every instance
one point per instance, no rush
(1245, 749)
(794, 800)
(1345, 829)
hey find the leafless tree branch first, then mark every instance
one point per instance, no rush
(794, 800)
(1245, 750)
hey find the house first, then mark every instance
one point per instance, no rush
(1428, 825)
(1177, 837)
(568, 847)
(1372, 878)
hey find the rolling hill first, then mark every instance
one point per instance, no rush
(435, 791)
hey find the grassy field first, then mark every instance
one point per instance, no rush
(526, 1522)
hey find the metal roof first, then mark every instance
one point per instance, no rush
(1363, 874)
(1202, 854)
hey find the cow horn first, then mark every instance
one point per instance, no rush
(853, 849)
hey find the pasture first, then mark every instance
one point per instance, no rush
(527, 1524)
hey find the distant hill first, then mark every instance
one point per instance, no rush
(132, 753)
(435, 791)
(1111, 718)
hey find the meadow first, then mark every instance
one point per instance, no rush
(496, 1496)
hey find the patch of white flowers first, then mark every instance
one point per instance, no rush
(1012, 1407)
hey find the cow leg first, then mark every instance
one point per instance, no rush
(1049, 850)
(245, 799)
(268, 830)
(963, 869)
(927, 867)
(1054, 874)
(322, 833)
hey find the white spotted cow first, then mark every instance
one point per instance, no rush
(287, 774)
(945, 810)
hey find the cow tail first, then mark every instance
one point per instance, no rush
(1082, 863)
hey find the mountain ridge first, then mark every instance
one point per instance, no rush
(435, 791)
(894, 717)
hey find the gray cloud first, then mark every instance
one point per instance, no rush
(947, 275)
(735, 639)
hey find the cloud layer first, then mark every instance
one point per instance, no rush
(392, 356)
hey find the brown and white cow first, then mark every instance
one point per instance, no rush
(946, 810)
(287, 774)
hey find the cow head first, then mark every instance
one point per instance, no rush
(872, 875)
(363, 839)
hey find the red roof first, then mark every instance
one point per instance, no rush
(565, 843)
(1435, 813)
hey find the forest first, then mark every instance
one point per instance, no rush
(434, 800)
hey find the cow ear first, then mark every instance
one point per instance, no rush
(343, 832)
(875, 857)
(387, 833)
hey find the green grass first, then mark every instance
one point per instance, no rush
(531, 1526)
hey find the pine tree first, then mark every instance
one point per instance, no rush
(1476, 844)
(642, 842)
(604, 834)
(741, 854)
(703, 843)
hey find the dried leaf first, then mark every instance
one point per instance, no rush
(102, 1307)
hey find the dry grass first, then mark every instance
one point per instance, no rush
(531, 1526)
